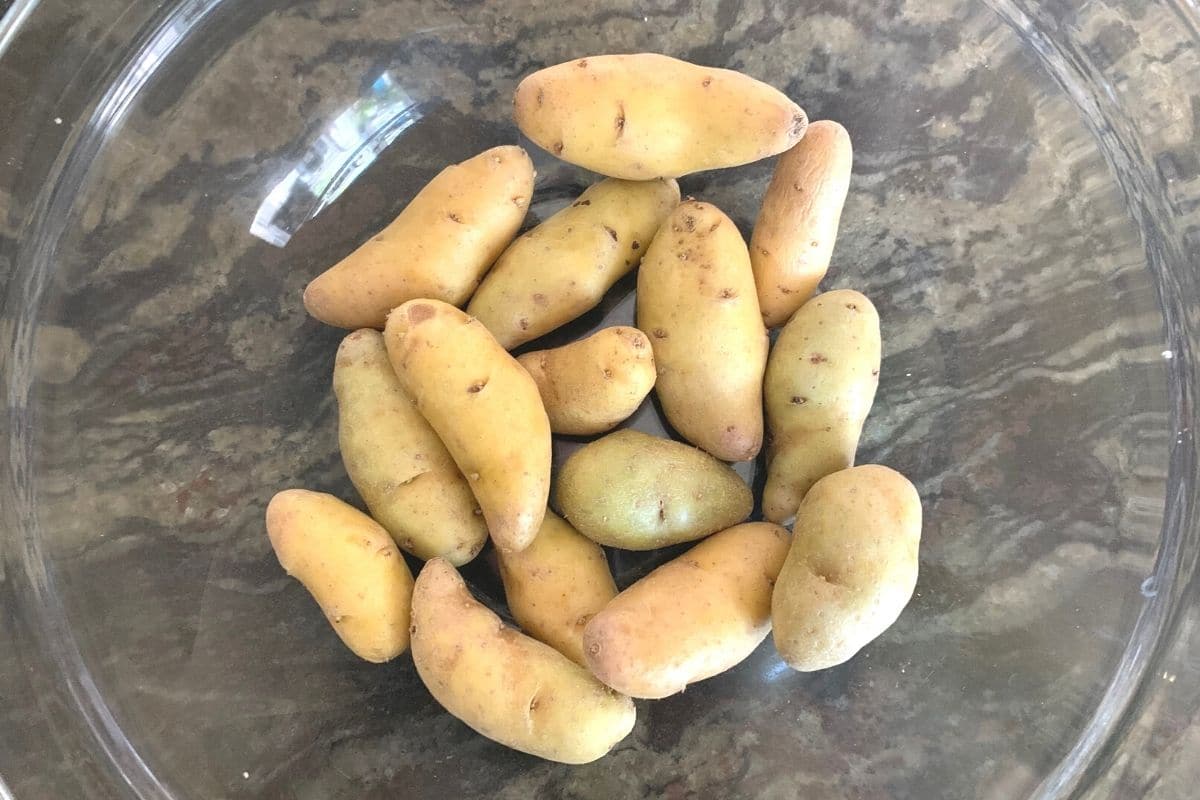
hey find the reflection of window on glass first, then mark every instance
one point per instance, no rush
(343, 150)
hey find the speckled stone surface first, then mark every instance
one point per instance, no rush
(1023, 208)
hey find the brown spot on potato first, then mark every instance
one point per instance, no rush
(814, 243)
(412, 630)
(689, 222)
(662, 512)
(727, 294)
(594, 649)
(799, 124)
(477, 387)
(581, 203)
(852, 306)
(540, 299)
(533, 704)
(523, 324)
(581, 62)
(817, 358)
(419, 313)
(659, 333)
(377, 238)
(797, 400)
(620, 119)
(714, 226)
(455, 217)
(608, 373)
(611, 233)
(874, 373)
(519, 201)
(636, 244)
(706, 82)
(541, 96)
(557, 148)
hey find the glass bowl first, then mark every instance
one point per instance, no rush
(1023, 212)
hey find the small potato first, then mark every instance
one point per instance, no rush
(820, 385)
(691, 618)
(505, 685)
(395, 460)
(697, 302)
(590, 385)
(851, 569)
(647, 115)
(439, 246)
(639, 492)
(556, 584)
(351, 567)
(484, 407)
(563, 267)
(796, 229)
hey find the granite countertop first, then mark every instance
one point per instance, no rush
(1025, 202)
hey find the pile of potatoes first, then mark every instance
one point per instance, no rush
(447, 436)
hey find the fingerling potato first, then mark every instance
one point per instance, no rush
(797, 226)
(505, 685)
(439, 247)
(697, 303)
(484, 407)
(349, 564)
(398, 464)
(851, 569)
(693, 617)
(591, 385)
(639, 492)
(820, 384)
(556, 584)
(563, 267)
(646, 115)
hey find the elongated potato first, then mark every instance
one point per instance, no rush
(796, 229)
(820, 385)
(563, 267)
(484, 407)
(691, 618)
(851, 569)
(439, 246)
(395, 460)
(556, 584)
(697, 303)
(590, 385)
(639, 492)
(505, 685)
(349, 564)
(648, 116)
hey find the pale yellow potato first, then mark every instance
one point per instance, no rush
(349, 564)
(591, 385)
(851, 569)
(563, 267)
(697, 303)
(556, 584)
(693, 617)
(484, 407)
(440, 246)
(647, 115)
(820, 385)
(797, 226)
(505, 685)
(639, 492)
(398, 464)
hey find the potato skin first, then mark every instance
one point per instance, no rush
(591, 385)
(646, 115)
(691, 618)
(797, 226)
(563, 267)
(851, 569)
(556, 584)
(440, 246)
(820, 384)
(697, 303)
(505, 685)
(396, 462)
(349, 564)
(484, 407)
(639, 492)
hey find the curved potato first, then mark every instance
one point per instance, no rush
(505, 685)
(484, 407)
(693, 617)
(796, 229)
(563, 267)
(556, 584)
(820, 384)
(639, 492)
(647, 115)
(395, 460)
(697, 303)
(851, 569)
(351, 567)
(439, 246)
(590, 385)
